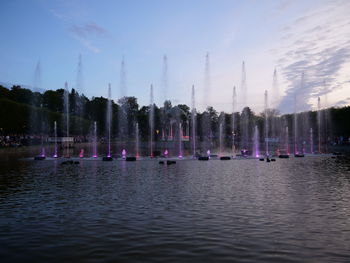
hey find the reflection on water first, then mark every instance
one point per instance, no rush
(293, 210)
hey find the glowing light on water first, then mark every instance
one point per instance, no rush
(124, 154)
(55, 130)
(42, 152)
(81, 154)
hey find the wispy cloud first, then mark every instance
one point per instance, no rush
(342, 103)
(320, 48)
(85, 32)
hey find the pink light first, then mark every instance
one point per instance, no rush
(55, 156)
(180, 156)
(94, 156)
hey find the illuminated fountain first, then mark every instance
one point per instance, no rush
(193, 121)
(55, 155)
(311, 141)
(180, 140)
(256, 150)
(66, 109)
(109, 124)
(266, 126)
(151, 122)
(245, 115)
(137, 140)
(234, 102)
(319, 123)
(94, 142)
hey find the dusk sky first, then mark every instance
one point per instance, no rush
(293, 37)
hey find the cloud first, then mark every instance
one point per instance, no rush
(89, 29)
(342, 103)
(319, 49)
(85, 32)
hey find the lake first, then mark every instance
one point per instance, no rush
(291, 210)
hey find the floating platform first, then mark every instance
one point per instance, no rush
(107, 158)
(224, 158)
(283, 156)
(298, 155)
(203, 158)
(39, 158)
(130, 159)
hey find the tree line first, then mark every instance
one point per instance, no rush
(23, 111)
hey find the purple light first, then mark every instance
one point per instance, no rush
(94, 156)
(55, 156)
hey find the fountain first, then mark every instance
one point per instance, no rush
(245, 114)
(205, 123)
(66, 108)
(234, 102)
(123, 110)
(81, 154)
(109, 124)
(180, 140)
(55, 155)
(319, 123)
(311, 141)
(256, 150)
(151, 122)
(137, 140)
(221, 133)
(193, 120)
(123, 154)
(295, 125)
(94, 142)
(266, 126)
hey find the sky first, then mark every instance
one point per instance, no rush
(306, 42)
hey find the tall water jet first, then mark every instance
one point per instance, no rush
(55, 155)
(165, 78)
(275, 91)
(123, 109)
(245, 114)
(311, 141)
(244, 86)
(287, 140)
(319, 123)
(37, 118)
(123, 86)
(266, 124)
(94, 142)
(151, 122)
(109, 120)
(137, 140)
(193, 121)
(327, 120)
(180, 140)
(205, 123)
(79, 103)
(221, 134)
(234, 102)
(295, 126)
(256, 150)
(274, 103)
(66, 109)
(80, 80)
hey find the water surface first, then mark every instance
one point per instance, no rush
(295, 210)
